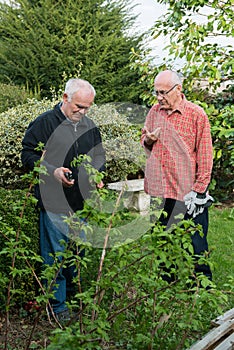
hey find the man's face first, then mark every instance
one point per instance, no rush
(168, 94)
(79, 104)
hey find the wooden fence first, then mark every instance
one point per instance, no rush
(221, 337)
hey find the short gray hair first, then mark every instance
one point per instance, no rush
(75, 84)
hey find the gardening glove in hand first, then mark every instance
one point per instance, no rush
(196, 202)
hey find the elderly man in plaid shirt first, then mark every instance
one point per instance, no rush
(177, 140)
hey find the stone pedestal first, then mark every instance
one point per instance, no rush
(134, 195)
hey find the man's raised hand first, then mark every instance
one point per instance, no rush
(151, 136)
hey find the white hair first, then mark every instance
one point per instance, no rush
(74, 84)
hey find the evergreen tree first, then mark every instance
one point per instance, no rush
(41, 40)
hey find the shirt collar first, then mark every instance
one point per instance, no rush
(69, 120)
(181, 106)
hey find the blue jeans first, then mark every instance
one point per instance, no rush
(52, 230)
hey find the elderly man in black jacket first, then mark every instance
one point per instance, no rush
(66, 132)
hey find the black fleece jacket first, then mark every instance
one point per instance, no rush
(63, 142)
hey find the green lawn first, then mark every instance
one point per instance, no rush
(221, 243)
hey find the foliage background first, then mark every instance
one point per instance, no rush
(91, 39)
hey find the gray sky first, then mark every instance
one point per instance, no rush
(149, 11)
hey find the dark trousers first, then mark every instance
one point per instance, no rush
(173, 208)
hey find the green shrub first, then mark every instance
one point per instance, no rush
(223, 141)
(12, 95)
(18, 235)
(13, 124)
(98, 45)
(122, 300)
(128, 305)
(222, 130)
(120, 139)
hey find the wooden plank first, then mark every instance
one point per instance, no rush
(226, 316)
(213, 336)
(227, 344)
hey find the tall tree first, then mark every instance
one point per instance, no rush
(200, 34)
(41, 40)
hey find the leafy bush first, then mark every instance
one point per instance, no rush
(224, 98)
(121, 142)
(12, 95)
(122, 301)
(18, 237)
(126, 304)
(223, 141)
(13, 125)
(99, 38)
(222, 130)
(120, 138)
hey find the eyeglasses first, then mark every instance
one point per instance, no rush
(162, 92)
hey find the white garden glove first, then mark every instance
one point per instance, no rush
(196, 202)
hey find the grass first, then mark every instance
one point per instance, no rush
(221, 244)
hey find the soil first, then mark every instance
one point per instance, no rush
(19, 332)
(226, 204)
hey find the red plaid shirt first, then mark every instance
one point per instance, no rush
(181, 159)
